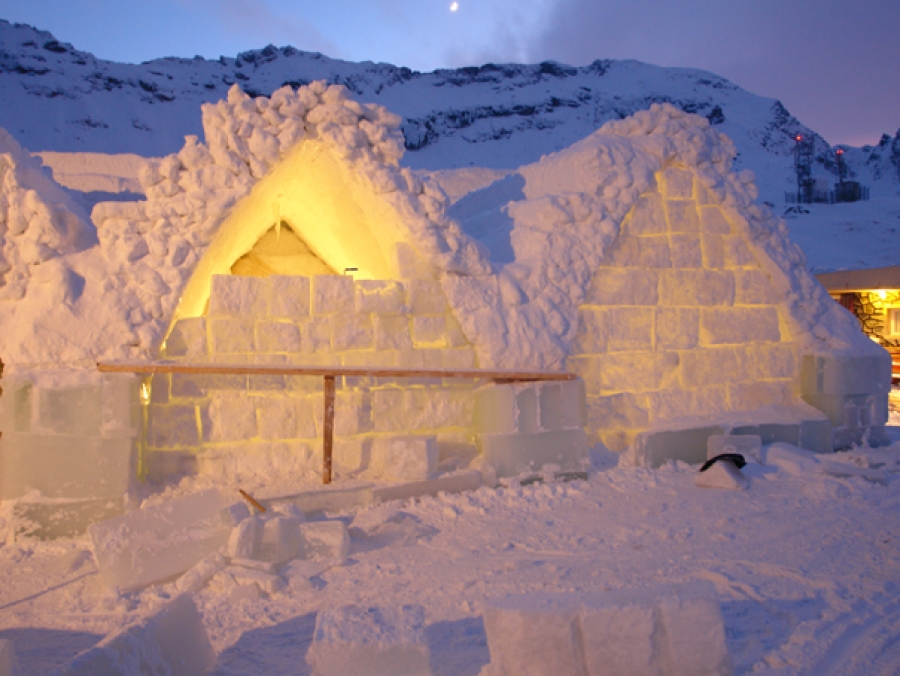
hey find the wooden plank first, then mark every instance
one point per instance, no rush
(328, 430)
(328, 371)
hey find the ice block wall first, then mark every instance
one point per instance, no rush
(73, 441)
(220, 424)
(680, 320)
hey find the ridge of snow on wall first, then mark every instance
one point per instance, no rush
(155, 245)
(527, 313)
(38, 222)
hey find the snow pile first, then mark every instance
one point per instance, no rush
(575, 202)
(38, 223)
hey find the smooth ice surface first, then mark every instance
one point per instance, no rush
(512, 454)
(411, 458)
(9, 664)
(748, 445)
(171, 642)
(722, 474)
(358, 641)
(322, 540)
(65, 466)
(152, 544)
(50, 519)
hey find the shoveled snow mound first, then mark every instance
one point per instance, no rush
(38, 222)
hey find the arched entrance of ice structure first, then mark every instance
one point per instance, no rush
(311, 214)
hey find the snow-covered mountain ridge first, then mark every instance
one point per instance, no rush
(58, 98)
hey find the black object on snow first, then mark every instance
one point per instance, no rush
(735, 458)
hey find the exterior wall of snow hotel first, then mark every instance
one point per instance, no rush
(642, 264)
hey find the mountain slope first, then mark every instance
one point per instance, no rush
(498, 116)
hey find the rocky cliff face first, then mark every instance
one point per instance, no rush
(495, 115)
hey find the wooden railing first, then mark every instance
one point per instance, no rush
(329, 373)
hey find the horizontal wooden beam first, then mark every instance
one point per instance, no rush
(327, 371)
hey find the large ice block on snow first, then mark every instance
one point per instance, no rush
(9, 664)
(694, 630)
(674, 630)
(512, 454)
(355, 641)
(159, 542)
(172, 641)
(535, 635)
(321, 540)
(63, 466)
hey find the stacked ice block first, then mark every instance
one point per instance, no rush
(526, 426)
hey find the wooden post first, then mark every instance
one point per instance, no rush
(328, 430)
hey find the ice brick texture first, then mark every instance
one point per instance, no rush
(171, 641)
(663, 631)
(229, 425)
(71, 441)
(357, 641)
(680, 319)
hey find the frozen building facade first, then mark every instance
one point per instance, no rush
(635, 258)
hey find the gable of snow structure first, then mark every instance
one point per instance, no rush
(642, 264)
(324, 166)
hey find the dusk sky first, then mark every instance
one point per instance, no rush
(835, 64)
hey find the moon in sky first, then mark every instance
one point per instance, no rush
(454, 6)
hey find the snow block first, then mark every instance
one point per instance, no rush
(279, 541)
(674, 630)
(748, 445)
(188, 338)
(322, 540)
(355, 641)
(535, 635)
(65, 466)
(530, 407)
(512, 454)
(9, 664)
(412, 458)
(653, 448)
(332, 498)
(172, 641)
(200, 573)
(845, 375)
(238, 296)
(242, 539)
(149, 545)
(695, 631)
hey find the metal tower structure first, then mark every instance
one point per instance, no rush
(803, 157)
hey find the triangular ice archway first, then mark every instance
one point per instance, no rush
(337, 215)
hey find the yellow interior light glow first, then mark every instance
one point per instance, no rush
(334, 215)
(881, 293)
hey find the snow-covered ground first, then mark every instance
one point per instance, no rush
(807, 568)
